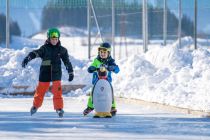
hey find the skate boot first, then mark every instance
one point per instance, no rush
(60, 112)
(87, 111)
(113, 111)
(33, 110)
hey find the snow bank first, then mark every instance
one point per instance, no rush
(165, 74)
(168, 75)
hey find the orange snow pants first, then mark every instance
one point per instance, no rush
(56, 90)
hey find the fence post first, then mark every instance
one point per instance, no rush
(88, 28)
(165, 23)
(7, 25)
(95, 18)
(145, 26)
(180, 23)
(195, 24)
(113, 28)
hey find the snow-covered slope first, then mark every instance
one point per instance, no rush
(65, 32)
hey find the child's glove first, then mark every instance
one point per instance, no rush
(25, 61)
(111, 68)
(28, 58)
(91, 69)
(71, 76)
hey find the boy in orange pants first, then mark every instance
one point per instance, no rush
(51, 54)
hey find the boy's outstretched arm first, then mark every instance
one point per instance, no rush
(32, 55)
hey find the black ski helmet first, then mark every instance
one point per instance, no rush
(106, 46)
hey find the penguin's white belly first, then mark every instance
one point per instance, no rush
(102, 96)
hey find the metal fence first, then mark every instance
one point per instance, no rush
(131, 26)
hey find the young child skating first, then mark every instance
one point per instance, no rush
(51, 54)
(103, 58)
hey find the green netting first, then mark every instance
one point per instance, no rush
(71, 4)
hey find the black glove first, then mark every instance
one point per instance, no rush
(71, 76)
(25, 61)
(111, 68)
(91, 69)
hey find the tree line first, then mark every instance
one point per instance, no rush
(130, 23)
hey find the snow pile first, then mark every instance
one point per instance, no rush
(12, 73)
(178, 77)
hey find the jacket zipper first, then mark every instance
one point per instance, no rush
(51, 71)
(52, 50)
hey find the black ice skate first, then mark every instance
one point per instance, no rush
(87, 111)
(113, 111)
(60, 112)
(33, 110)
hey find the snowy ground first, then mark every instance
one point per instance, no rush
(132, 122)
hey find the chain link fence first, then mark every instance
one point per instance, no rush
(203, 32)
(30, 17)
